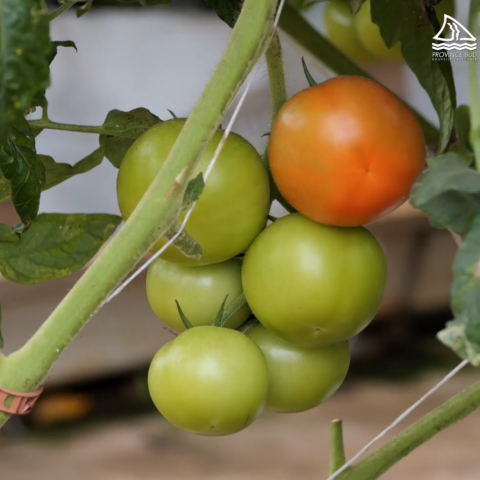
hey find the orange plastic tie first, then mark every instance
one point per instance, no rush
(22, 403)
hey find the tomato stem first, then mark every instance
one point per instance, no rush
(47, 124)
(27, 368)
(58, 11)
(337, 449)
(473, 82)
(302, 32)
(452, 411)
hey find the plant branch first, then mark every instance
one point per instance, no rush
(473, 82)
(27, 368)
(303, 33)
(452, 411)
(337, 450)
(47, 124)
(58, 11)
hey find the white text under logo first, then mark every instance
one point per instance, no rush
(454, 42)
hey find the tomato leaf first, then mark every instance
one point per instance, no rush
(183, 317)
(463, 334)
(24, 47)
(56, 173)
(130, 125)
(81, 11)
(449, 193)
(185, 243)
(194, 190)
(401, 20)
(311, 81)
(462, 129)
(236, 305)
(39, 100)
(2, 343)
(20, 165)
(227, 10)
(219, 318)
(55, 246)
(454, 337)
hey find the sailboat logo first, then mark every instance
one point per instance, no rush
(453, 35)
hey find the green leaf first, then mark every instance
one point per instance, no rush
(234, 307)
(55, 246)
(2, 343)
(56, 173)
(401, 20)
(183, 317)
(449, 193)
(81, 11)
(455, 338)
(20, 165)
(219, 318)
(227, 10)
(462, 129)
(130, 125)
(311, 81)
(24, 47)
(194, 190)
(39, 100)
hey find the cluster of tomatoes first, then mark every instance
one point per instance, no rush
(359, 38)
(343, 154)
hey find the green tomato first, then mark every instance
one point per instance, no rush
(199, 290)
(300, 378)
(312, 284)
(371, 38)
(233, 206)
(209, 381)
(340, 26)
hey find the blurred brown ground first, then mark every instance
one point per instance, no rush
(280, 447)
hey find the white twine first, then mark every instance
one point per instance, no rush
(226, 133)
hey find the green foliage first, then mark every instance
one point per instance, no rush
(311, 81)
(81, 11)
(462, 130)
(236, 305)
(185, 243)
(227, 10)
(55, 246)
(130, 125)
(194, 190)
(402, 21)
(183, 317)
(24, 48)
(21, 166)
(449, 193)
(219, 322)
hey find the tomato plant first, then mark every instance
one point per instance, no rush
(300, 378)
(233, 206)
(209, 381)
(311, 284)
(199, 290)
(346, 152)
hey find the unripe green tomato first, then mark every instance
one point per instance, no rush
(312, 284)
(233, 206)
(199, 290)
(371, 38)
(209, 381)
(340, 26)
(300, 378)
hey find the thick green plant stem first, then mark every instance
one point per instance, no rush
(337, 450)
(452, 411)
(473, 82)
(27, 368)
(305, 35)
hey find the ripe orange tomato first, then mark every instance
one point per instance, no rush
(346, 152)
